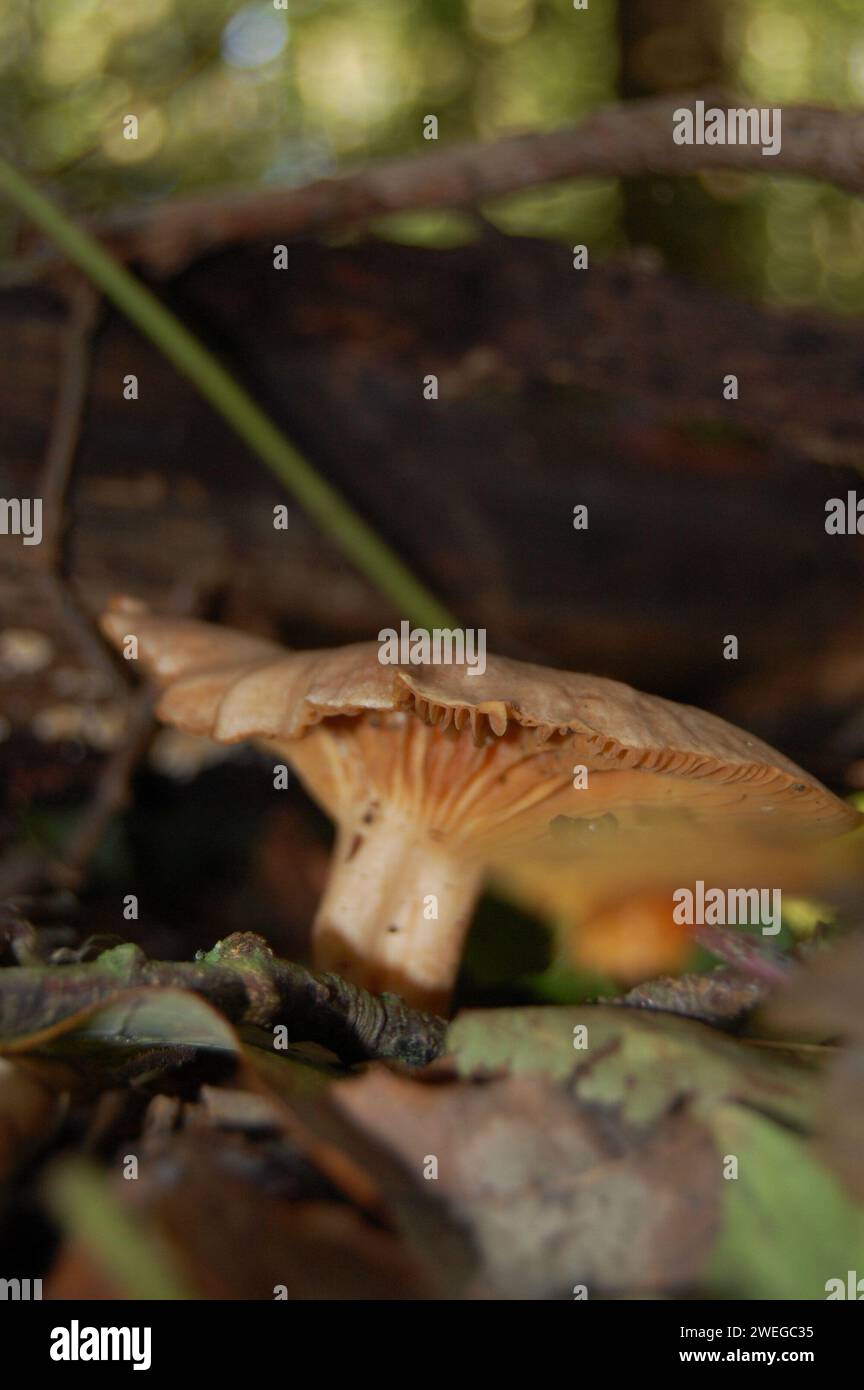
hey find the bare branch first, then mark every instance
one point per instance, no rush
(243, 979)
(626, 140)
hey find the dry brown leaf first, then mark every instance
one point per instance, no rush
(552, 1193)
(235, 1239)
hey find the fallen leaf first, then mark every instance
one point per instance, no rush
(788, 1226)
(234, 1238)
(551, 1194)
(643, 1062)
(138, 1033)
(721, 997)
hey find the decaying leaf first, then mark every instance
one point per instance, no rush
(648, 1158)
(626, 1152)
(721, 997)
(643, 1062)
(139, 1033)
(551, 1194)
(235, 1231)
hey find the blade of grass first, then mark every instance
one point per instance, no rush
(128, 1254)
(372, 556)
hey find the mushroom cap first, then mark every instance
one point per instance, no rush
(234, 687)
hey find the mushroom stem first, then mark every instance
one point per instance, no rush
(396, 909)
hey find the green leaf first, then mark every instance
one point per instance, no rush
(640, 1063)
(131, 1019)
(92, 1214)
(788, 1226)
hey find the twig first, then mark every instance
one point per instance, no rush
(68, 414)
(630, 139)
(246, 982)
(49, 559)
(25, 867)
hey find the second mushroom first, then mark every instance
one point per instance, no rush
(427, 772)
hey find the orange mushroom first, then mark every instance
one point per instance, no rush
(427, 772)
(631, 939)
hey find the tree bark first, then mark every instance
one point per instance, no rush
(555, 389)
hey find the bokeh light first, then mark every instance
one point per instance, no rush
(232, 93)
(256, 35)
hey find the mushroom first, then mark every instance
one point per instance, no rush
(427, 771)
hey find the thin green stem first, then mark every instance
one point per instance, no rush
(130, 1255)
(322, 501)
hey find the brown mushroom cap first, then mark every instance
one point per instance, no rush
(428, 771)
(640, 750)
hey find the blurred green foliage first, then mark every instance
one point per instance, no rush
(234, 94)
